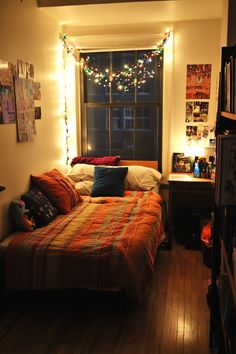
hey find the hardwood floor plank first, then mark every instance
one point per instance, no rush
(172, 319)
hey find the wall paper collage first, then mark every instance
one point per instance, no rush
(198, 86)
(20, 98)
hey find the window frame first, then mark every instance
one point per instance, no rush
(125, 104)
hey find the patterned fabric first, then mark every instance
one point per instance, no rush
(103, 243)
(42, 210)
(105, 160)
(67, 184)
(58, 189)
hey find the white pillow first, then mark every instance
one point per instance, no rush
(81, 172)
(142, 178)
(84, 187)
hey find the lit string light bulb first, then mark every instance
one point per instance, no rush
(130, 76)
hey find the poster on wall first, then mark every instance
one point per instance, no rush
(37, 92)
(196, 111)
(191, 133)
(203, 135)
(26, 128)
(25, 70)
(7, 94)
(198, 82)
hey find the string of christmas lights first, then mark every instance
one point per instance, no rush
(125, 79)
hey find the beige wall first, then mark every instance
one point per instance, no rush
(28, 34)
(195, 42)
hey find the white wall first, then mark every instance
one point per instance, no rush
(28, 34)
(195, 42)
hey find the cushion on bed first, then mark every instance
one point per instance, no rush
(40, 207)
(84, 187)
(81, 172)
(59, 190)
(142, 178)
(105, 160)
(109, 181)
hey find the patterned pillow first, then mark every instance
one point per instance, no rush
(58, 189)
(40, 207)
(67, 184)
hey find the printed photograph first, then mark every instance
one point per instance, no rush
(181, 163)
(37, 92)
(191, 133)
(37, 112)
(196, 111)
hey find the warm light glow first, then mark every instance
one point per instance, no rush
(194, 151)
(124, 79)
(89, 147)
(169, 49)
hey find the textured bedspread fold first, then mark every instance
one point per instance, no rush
(103, 243)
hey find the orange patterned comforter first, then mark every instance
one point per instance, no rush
(103, 243)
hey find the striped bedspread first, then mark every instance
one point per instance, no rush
(103, 243)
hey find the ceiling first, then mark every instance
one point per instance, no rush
(123, 25)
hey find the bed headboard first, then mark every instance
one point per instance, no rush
(152, 164)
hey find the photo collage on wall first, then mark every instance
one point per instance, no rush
(19, 98)
(198, 86)
(7, 93)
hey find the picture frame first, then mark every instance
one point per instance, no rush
(182, 163)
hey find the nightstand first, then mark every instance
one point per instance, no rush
(191, 200)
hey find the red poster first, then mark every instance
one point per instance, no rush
(198, 83)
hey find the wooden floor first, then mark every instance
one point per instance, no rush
(172, 319)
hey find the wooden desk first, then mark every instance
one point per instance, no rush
(189, 198)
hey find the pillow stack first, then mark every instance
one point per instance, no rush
(137, 178)
(51, 193)
(58, 189)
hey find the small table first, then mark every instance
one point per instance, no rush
(189, 199)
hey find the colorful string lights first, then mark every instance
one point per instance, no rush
(125, 79)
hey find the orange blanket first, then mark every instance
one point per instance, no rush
(103, 243)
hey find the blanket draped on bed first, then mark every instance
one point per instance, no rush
(103, 243)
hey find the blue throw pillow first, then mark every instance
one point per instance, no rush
(109, 181)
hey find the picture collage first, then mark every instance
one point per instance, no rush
(198, 85)
(20, 98)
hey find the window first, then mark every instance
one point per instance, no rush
(117, 121)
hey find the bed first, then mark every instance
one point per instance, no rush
(102, 243)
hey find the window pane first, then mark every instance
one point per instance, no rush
(146, 134)
(123, 132)
(148, 90)
(98, 131)
(97, 90)
(119, 61)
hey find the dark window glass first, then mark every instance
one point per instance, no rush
(122, 132)
(97, 132)
(120, 61)
(97, 92)
(118, 121)
(146, 133)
